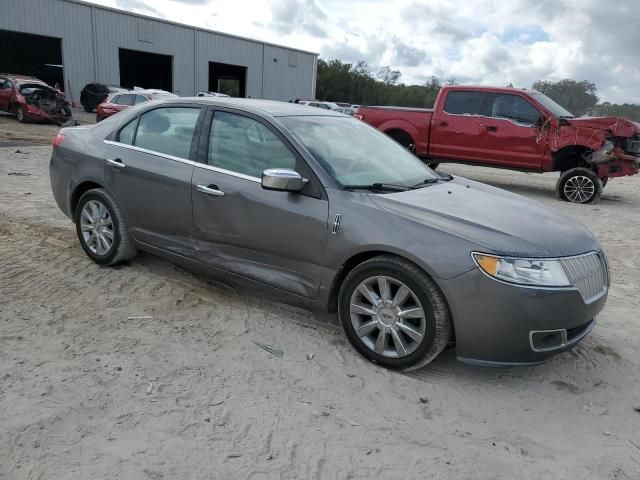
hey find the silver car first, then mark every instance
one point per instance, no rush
(319, 209)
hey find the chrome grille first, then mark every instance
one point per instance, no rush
(588, 273)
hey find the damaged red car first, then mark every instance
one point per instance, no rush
(32, 100)
(516, 129)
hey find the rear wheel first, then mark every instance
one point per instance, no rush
(579, 185)
(101, 228)
(393, 313)
(88, 109)
(433, 165)
(403, 139)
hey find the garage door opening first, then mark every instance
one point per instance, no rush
(145, 70)
(35, 55)
(229, 79)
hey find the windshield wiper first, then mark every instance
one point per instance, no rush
(379, 187)
(424, 183)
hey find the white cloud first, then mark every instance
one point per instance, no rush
(477, 41)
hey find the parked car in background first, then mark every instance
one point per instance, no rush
(324, 211)
(32, 100)
(117, 102)
(318, 104)
(342, 104)
(211, 94)
(347, 110)
(93, 94)
(517, 129)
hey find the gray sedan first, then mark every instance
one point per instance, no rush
(318, 209)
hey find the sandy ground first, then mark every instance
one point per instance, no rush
(147, 372)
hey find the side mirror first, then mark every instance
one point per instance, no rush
(283, 180)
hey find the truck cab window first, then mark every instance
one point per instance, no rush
(463, 102)
(514, 108)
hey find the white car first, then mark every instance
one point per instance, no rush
(319, 104)
(211, 94)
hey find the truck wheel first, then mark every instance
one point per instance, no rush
(404, 139)
(579, 185)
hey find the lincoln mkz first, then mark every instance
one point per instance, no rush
(319, 209)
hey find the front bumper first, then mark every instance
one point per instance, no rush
(500, 324)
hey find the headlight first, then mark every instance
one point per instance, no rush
(537, 272)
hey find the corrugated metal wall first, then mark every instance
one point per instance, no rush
(91, 36)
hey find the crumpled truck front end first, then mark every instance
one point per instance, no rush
(611, 144)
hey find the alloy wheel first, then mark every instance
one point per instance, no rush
(579, 189)
(387, 316)
(96, 226)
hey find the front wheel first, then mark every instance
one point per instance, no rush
(393, 313)
(579, 185)
(21, 115)
(102, 229)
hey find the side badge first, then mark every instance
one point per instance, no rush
(336, 223)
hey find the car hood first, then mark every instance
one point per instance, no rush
(618, 126)
(495, 220)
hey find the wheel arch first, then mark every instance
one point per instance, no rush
(78, 191)
(362, 256)
(570, 157)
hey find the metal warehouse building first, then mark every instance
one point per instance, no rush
(73, 43)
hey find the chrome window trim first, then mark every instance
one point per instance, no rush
(228, 172)
(151, 152)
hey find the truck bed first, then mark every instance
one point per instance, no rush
(395, 121)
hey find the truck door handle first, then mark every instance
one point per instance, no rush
(491, 128)
(443, 124)
(210, 190)
(116, 162)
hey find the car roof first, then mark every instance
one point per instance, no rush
(260, 107)
(22, 78)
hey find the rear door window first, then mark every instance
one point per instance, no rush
(140, 99)
(167, 130)
(463, 103)
(243, 145)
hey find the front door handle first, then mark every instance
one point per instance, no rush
(115, 163)
(491, 128)
(210, 190)
(443, 124)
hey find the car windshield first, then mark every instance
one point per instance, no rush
(356, 154)
(550, 105)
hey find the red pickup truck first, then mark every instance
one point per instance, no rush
(516, 129)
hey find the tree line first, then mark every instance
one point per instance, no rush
(355, 83)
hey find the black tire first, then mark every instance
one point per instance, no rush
(21, 115)
(87, 108)
(590, 191)
(433, 165)
(604, 181)
(403, 139)
(437, 316)
(122, 248)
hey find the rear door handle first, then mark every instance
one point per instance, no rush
(115, 163)
(443, 124)
(491, 128)
(210, 190)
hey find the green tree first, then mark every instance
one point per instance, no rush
(576, 96)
